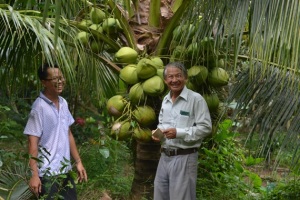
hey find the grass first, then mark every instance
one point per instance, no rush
(107, 176)
(110, 175)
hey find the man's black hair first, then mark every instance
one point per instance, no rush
(43, 70)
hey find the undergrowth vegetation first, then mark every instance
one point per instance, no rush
(224, 171)
(222, 174)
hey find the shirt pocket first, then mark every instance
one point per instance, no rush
(183, 121)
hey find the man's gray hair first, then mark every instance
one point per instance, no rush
(178, 65)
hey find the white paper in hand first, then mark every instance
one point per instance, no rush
(158, 134)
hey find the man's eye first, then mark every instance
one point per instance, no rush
(178, 76)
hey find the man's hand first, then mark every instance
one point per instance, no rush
(35, 184)
(157, 135)
(170, 133)
(82, 176)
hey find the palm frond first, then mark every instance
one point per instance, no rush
(13, 183)
(26, 43)
(272, 104)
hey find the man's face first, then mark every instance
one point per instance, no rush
(175, 79)
(55, 81)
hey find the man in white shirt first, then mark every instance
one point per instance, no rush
(50, 140)
(185, 120)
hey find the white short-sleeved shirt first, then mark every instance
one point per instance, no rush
(52, 128)
(190, 116)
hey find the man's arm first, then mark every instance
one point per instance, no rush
(75, 155)
(35, 182)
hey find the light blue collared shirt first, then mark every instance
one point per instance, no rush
(190, 116)
(52, 127)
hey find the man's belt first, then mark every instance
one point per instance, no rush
(175, 152)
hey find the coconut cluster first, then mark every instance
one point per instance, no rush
(143, 74)
(143, 77)
(98, 22)
(206, 67)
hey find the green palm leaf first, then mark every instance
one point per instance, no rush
(13, 183)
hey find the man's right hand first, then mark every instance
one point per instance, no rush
(157, 135)
(35, 184)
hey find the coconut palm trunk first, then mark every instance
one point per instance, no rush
(145, 164)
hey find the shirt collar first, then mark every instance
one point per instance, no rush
(183, 94)
(42, 96)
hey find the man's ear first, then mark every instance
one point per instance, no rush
(43, 83)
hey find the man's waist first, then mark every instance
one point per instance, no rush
(178, 151)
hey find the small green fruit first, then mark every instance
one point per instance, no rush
(218, 77)
(115, 105)
(126, 55)
(97, 15)
(83, 37)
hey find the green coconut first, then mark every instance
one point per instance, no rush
(111, 26)
(212, 61)
(126, 55)
(136, 94)
(192, 50)
(83, 37)
(186, 31)
(96, 46)
(97, 15)
(146, 68)
(129, 75)
(85, 22)
(142, 134)
(115, 105)
(190, 85)
(197, 74)
(207, 44)
(144, 115)
(96, 27)
(153, 86)
(159, 64)
(212, 101)
(178, 53)
(218, 77)
(160, 73)
(220, 63)
(121, 130)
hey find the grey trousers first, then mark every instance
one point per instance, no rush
(176, 177)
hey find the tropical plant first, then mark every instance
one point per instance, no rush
(285, 190)
(262, 33)
(13, 183)
(222, 167)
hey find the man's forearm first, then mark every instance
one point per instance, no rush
(73, 149)
(33, 152)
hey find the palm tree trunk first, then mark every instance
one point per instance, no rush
(146, 159)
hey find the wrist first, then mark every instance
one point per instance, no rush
(77, 161)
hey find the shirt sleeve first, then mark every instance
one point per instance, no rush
(34, 124)
(70, 118)
(201, 127)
